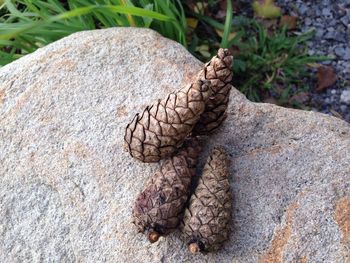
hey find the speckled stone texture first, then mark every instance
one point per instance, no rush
(67, 187)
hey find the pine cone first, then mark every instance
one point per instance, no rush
(206, 221)
(162, 127)
(218, 71)
(158, 209)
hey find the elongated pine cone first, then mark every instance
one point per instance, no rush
(162, 127)
(159, 207)
(218, 71)
(206, 220)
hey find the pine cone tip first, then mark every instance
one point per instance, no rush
(219, 71)
(223, 52)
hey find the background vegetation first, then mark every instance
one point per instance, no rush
(270, 61)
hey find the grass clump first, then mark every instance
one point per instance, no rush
(271, 63)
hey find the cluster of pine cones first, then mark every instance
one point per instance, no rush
(168, 130)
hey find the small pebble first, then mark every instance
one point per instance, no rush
(347, 54)
(344, 108)
(326, 12)
(345, 96)
(330, 35)
(339, 51)
(319, 33)
(302, 9)
(308, 21)
(344, 20)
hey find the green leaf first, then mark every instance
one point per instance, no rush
(266, 9)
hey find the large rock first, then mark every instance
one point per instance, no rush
(67, 187)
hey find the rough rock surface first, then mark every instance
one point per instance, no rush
(67, 187)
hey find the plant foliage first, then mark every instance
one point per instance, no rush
(27, 25)
(269, 63)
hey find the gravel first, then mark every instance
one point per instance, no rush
(331, 22)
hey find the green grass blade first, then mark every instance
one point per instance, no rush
(228, 25)
(210, 21)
